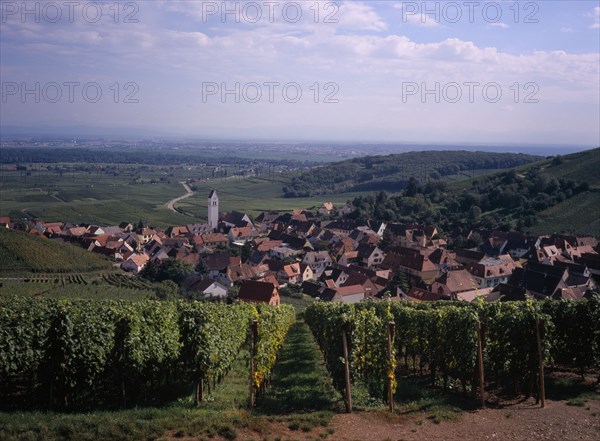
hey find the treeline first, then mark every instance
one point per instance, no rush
(79, 155)
(439, 341)
(506, 200)
(392, 172)
(82, 353)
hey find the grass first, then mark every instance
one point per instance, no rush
(414, 398)
(573, 390)
(301, 390)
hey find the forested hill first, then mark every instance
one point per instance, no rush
(392, 172)
(559, 194)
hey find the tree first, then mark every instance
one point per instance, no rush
(412, 187)
(167, 290)
(170, 269)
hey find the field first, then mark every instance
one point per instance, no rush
(22, 253)
(72, 287)
(302, 405)
(579, 215)
(139, 192)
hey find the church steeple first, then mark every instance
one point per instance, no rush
(213, 209)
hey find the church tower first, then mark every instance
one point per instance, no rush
(213, 209)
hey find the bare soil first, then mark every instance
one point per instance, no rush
(524, 420)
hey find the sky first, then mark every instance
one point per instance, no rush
(488, 72)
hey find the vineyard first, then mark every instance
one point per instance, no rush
(21, 252)
(440, 342)
(71, 353)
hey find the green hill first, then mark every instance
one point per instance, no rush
(555, 194)
(24, 253)
(581, 213)
(393, 172)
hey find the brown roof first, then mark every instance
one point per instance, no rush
(458, 281)
(350, 290)
(423, 295)
(255, 291)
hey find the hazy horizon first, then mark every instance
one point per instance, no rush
(378, 71)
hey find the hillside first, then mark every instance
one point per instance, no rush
(581, 213)
(557, 194)
(392, 172)
(23, 253)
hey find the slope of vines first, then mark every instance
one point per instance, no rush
(62, 353)
(440, 339)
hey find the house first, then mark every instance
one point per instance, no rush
(369, 287)
(215, 264)
(490, 272)
(4, 222)
(336, 275)
(290, 274)
(210, 240)
(422, 295)
(235, 219)
(318, 261)
(349, 294)
(253, 291)
(242, 235)
(135, 263)
(325, 209)
(236, 273)
(370, 255)
(208, 288)
(177, 231)
(306, 273)
(413, 262)
(451, 283)
(541, 281)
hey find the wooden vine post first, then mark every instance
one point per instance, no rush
(199, 392)
(253, 339)
(480, 363)
(390, 342)
(539, 329)
(347, 368)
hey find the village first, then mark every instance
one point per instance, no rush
(331, 258)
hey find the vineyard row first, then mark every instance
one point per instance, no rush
(441, 340)
(68, 352)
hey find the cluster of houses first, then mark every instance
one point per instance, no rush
(344, 260)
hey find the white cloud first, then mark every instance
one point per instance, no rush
(500, 25)
(595, 14)
(360, 16)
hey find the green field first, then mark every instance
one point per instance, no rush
(255, 195)
(55, 289)
(24, 253)
(578, 215)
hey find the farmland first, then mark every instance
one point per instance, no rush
(22, 253)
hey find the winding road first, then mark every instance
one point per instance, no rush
(172, 202)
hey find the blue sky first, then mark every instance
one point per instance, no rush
(487, 72)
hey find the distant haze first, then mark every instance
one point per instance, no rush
(501, 73)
